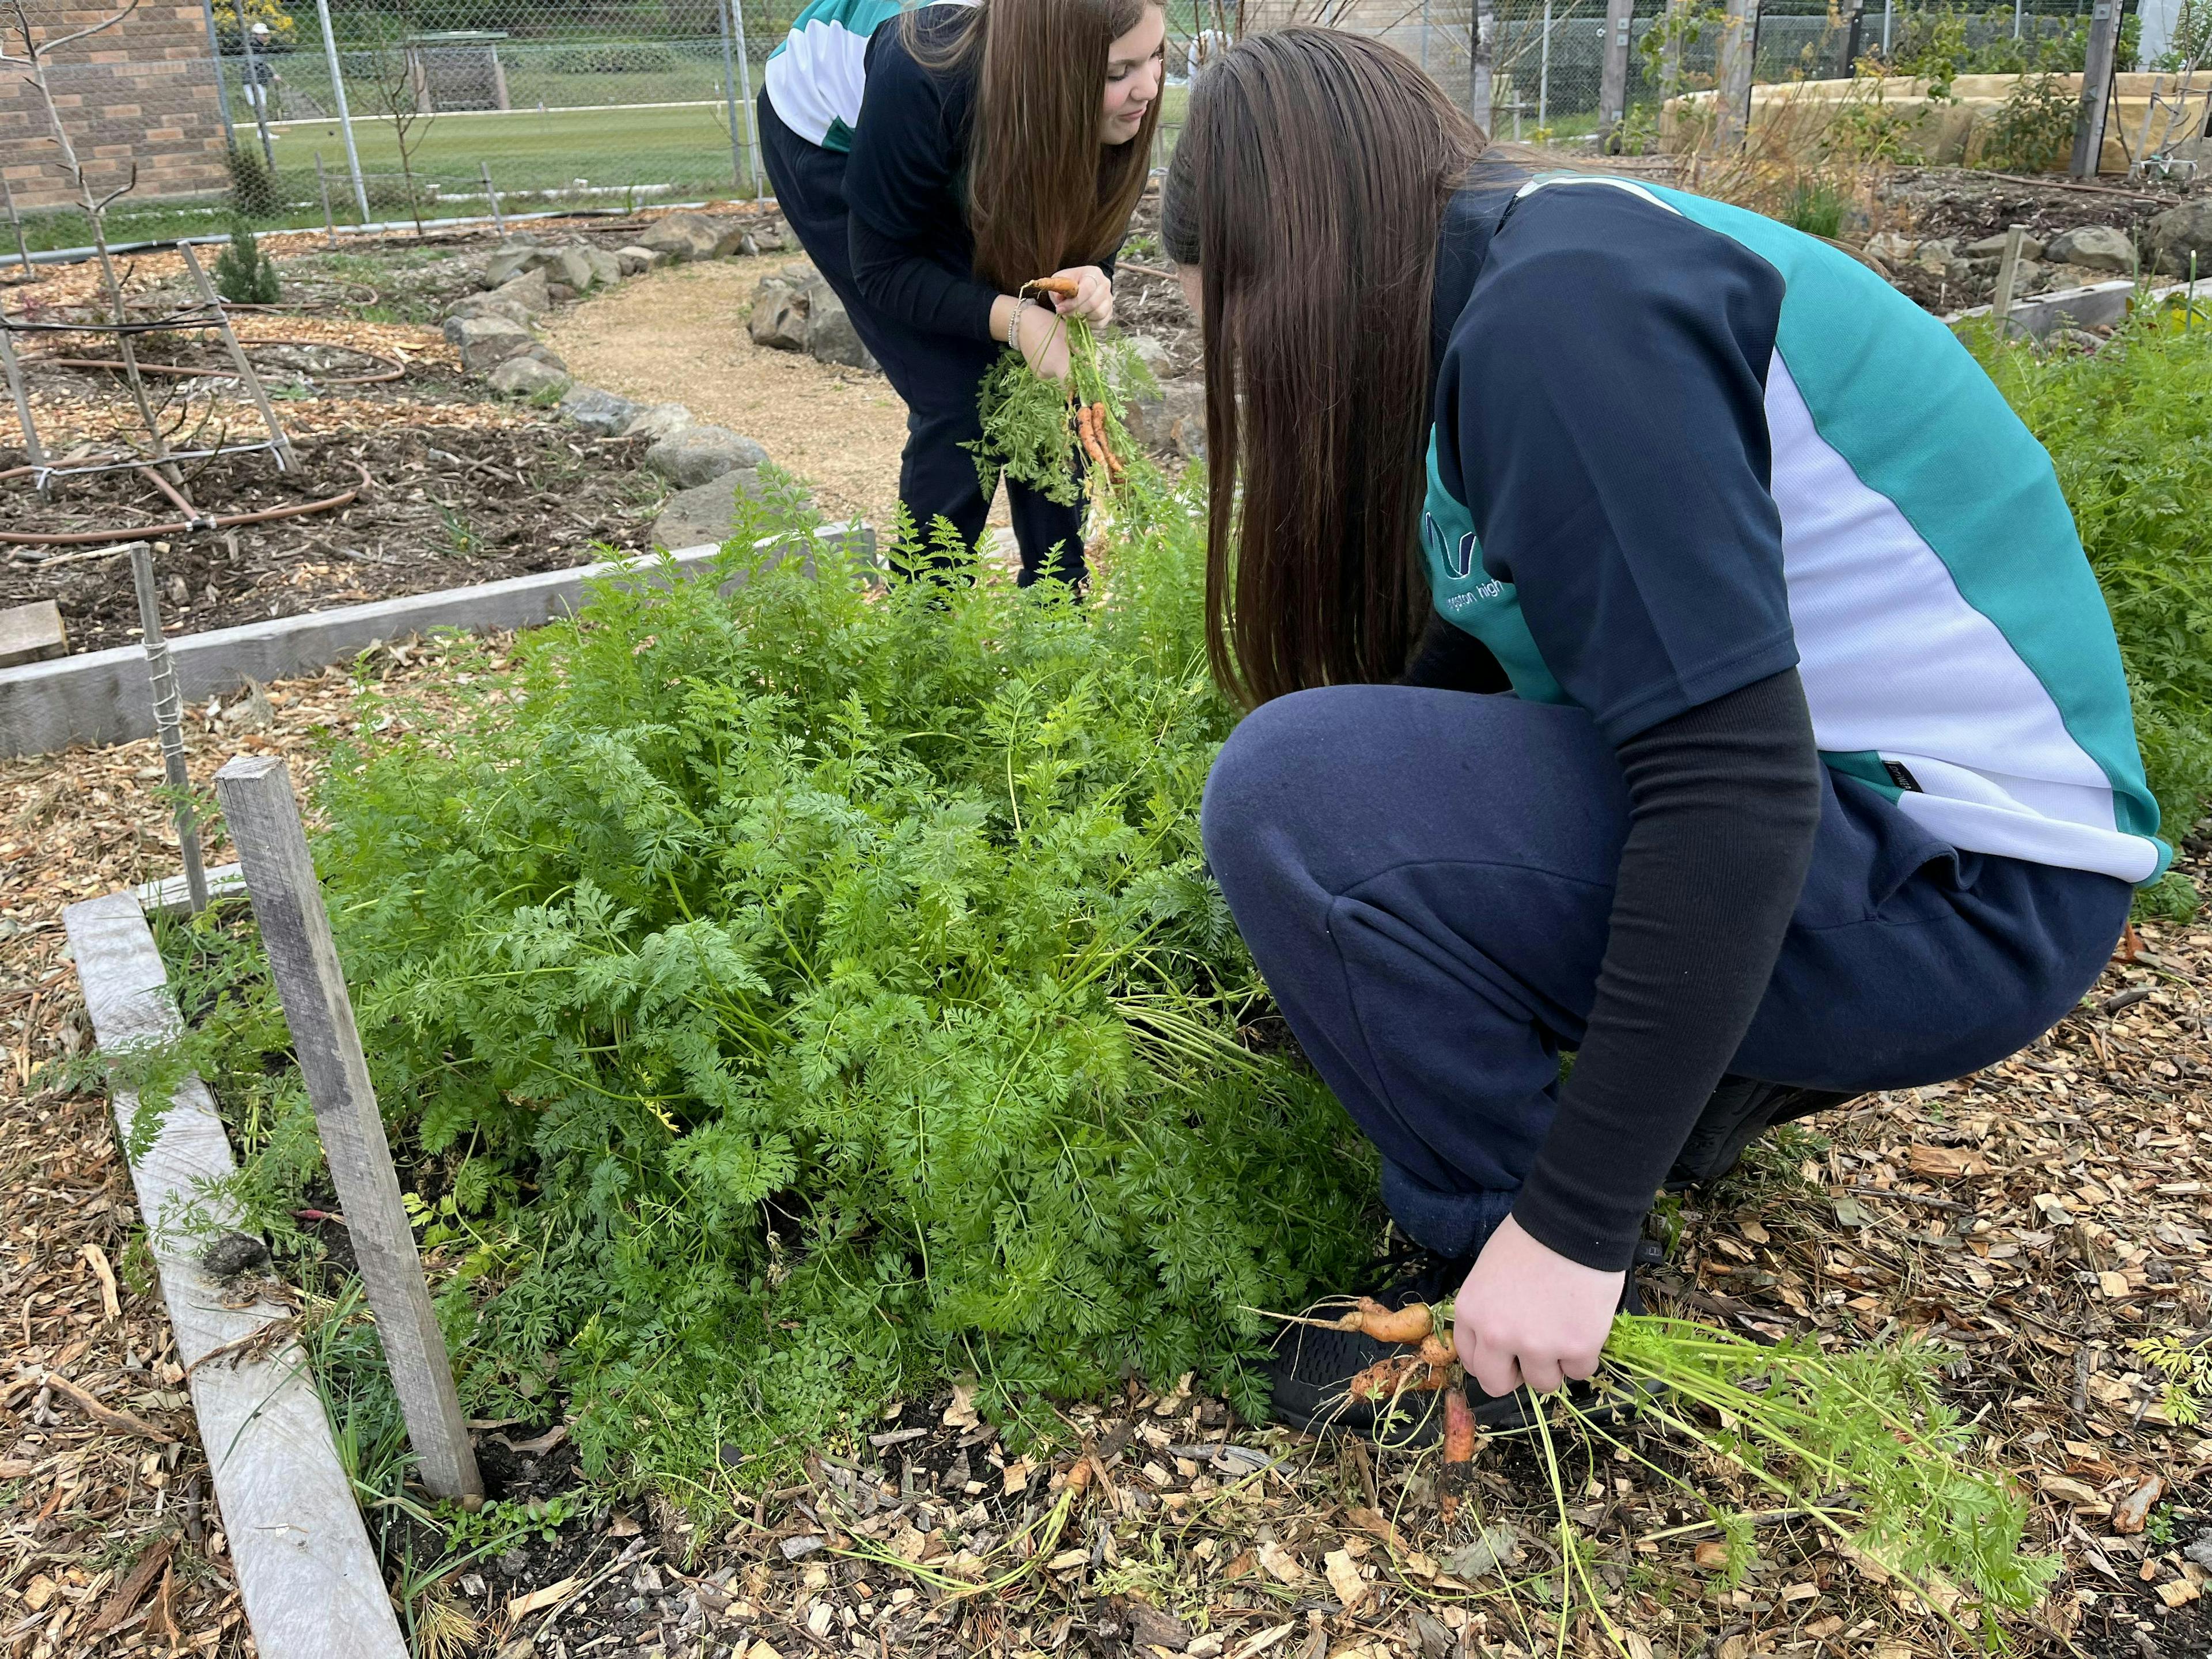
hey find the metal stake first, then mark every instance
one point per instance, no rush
(323, 185)
(168, 717)
(16, 390)
(281, 445)
(498, 218)
(1888, 8)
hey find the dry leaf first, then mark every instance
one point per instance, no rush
(1376, 1524)
(1712, 1555)
(521, 1606)
(1280, 1564)
(1259, 1643)
(2178, 1593)
(2113, 1285)
(1344, 1578)
(961, 1413)
(1015, 1477)
(2067, 1489)
(1945, 1163)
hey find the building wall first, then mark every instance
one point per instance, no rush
(142, 91)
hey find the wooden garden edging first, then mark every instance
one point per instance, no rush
(309, 1580)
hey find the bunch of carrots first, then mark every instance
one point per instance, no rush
(1431, 1366)
(1088, 418)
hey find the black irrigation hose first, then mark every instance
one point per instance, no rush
(149, 533)
(393, 370)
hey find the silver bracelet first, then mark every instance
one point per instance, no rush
(1014, 325)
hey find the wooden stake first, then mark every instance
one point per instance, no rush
(256, 792)
(1739, 49)
(2096, 88)
(2007, 278)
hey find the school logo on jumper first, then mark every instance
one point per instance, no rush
(1457, 561)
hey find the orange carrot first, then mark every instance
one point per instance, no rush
(1459, 1453)
(1098, 430)
(1371, 1318)
(1078, 1477)
(1065, 287)
(1437, 1350)
(1401, 1373)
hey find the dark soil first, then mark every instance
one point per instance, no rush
(445, 507)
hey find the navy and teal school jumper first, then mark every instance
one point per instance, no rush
(1693, 476)
(867, 151)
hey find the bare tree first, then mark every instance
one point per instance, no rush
(400, 95)
(33, 63)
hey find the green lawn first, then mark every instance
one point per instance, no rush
(687, 147)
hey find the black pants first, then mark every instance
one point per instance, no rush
(937, 375)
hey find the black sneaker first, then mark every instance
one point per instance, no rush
(1740, 1110)
(1309, 1371)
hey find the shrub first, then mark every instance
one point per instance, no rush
(2033, 130)
(795, 997)
(1816, 206)
(254, 194)
(243, 273)
(2129, 429)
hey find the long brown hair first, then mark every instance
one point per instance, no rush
(1042, 193)
(1319, 167)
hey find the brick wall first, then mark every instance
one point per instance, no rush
(142, 92)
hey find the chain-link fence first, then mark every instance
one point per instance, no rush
(403, 107)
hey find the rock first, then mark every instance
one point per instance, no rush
(560, 294)
(601, 413)
(2066, 276)
(485, 343)
(606, 268)
(2181, 231)
(530, 291)
(2098, 248)
(32, 632)
(771, 237)
(830, 335)
(1152, 354)
(229, 1255)
(701, 517)
(634, 261)
(661, 421)
(1992, 247)
(527, 377)
(571, 267)
(509, 260)
(697, 454)
(2200, 1551)
(496, 304)
(541, 353)
(779, 315)
(693, 236)
(1173, 423)
(1890, 248)
(1935, 255)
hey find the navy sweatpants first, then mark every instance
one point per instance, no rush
(1425, 879)
(939, 376)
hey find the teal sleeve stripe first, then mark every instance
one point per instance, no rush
(1472, 600)
(2009, 541)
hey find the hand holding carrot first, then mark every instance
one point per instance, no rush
(1084, 291)
(1528, 1315)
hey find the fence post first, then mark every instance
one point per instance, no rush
(1889, 11)
(15, 219)
(1481, 60)
(1544, 72)
(345, 117)
(730, 95)
(256, 96)
(1851, 39)
(1739, 47)
(1612, 79)
(2096, 90)
(256, 791)
(752, 116)
(222, 86)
